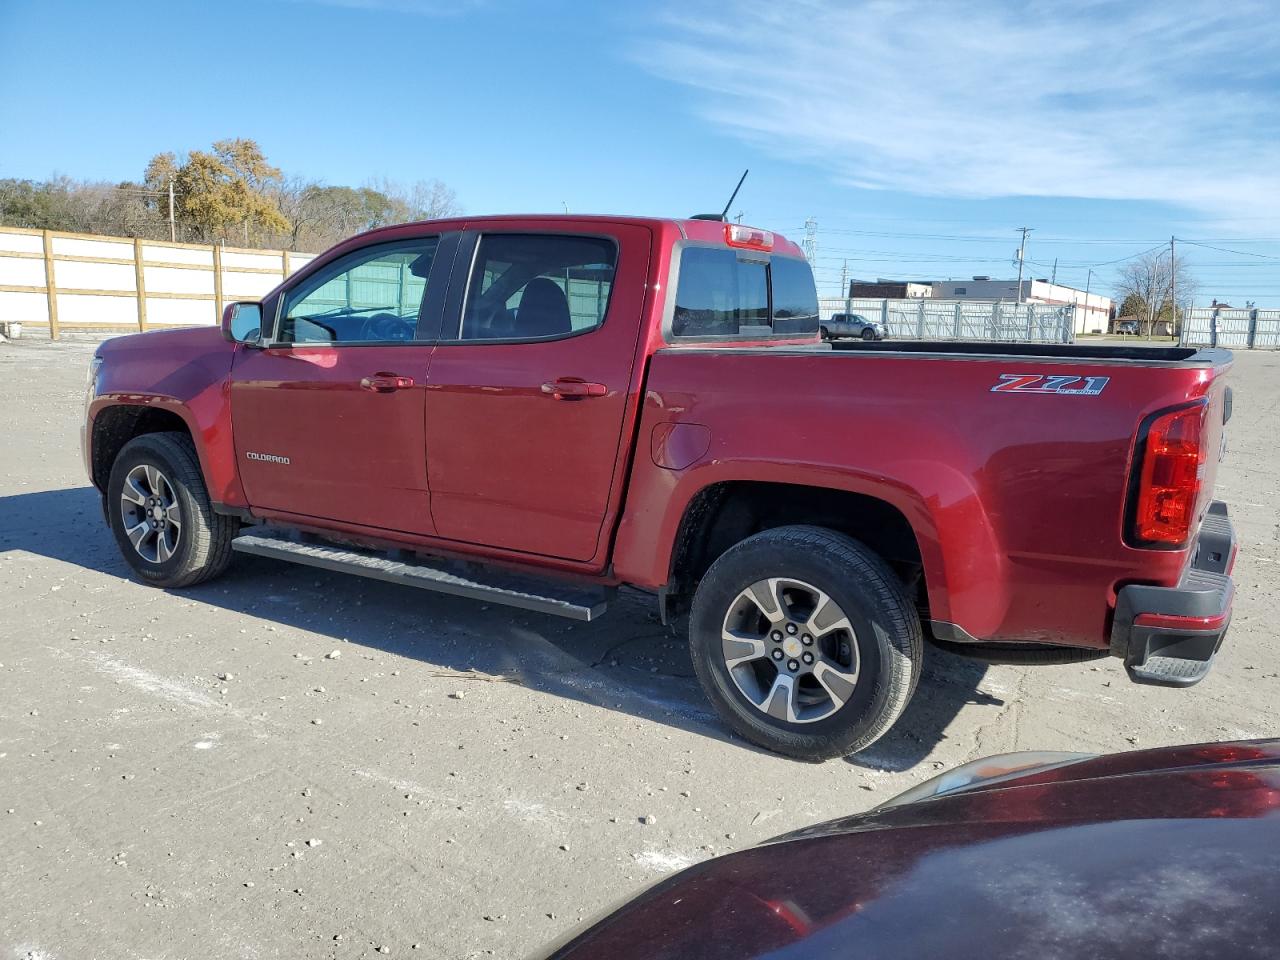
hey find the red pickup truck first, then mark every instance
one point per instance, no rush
(538, 410)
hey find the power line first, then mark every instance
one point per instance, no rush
(1243, 253)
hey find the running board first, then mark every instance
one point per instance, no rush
(512, 590)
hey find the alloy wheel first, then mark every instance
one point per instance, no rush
(149, 509)
(790, 650)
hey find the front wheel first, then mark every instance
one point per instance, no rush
(806, 642)
(160, 513)
(868, 333)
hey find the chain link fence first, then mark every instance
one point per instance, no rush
(1230, 327)
(929, 319)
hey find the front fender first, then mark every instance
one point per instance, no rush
(185, 373)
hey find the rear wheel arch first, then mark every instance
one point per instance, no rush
(725, 513)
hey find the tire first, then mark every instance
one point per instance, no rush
(823, 334)
(196, 541)
(883, 632)
(868, 334)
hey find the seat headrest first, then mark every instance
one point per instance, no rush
(543, 310)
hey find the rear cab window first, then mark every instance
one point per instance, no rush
(748, 295)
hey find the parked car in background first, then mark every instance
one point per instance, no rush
(852, 326)
(1166, 853)
(1127, 327)
(538, 410)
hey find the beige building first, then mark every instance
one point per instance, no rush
(1093, 310)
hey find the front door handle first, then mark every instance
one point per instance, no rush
(566, 389)
(386, 382)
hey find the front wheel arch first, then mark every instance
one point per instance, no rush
(115, 425)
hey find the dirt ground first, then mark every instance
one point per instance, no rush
(289, 763)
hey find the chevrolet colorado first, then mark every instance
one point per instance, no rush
(538, 410)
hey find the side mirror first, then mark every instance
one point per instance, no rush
(242, 322)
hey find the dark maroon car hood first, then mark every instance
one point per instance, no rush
(1153, 854)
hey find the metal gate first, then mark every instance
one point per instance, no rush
(924, 318)
(1235, 328)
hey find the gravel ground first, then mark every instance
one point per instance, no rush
(290, 763)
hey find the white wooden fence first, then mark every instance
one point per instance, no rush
(77, 281)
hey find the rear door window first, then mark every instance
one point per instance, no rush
(538, 286)
(723, 293)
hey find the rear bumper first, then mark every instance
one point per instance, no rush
(1168, 636)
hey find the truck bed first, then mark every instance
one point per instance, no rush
(1183, 356)
(1010, 461)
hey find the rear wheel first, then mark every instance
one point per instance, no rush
(161, 515)
(806, 642)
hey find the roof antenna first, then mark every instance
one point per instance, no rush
(723, 216)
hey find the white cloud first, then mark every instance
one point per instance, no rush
(1167, 101)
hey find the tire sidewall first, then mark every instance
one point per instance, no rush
(750, 562)
(136, 453)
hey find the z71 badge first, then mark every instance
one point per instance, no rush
(1056, 384)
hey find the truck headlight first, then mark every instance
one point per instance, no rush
(91, 380)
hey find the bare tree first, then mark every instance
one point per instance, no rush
(1147, 282)
(423, 200)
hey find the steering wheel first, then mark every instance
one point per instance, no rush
(387, 326)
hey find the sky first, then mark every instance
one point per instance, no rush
(916, 134)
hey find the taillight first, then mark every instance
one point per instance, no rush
(736, 235)
(1171, 470)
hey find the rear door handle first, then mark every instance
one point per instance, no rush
(386, 382)
(566, 389)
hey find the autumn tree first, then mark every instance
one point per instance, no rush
(221, 193)
(1133, 306)
(229, 193)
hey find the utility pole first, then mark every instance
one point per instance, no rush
(173, 227)
(810, 243)
(1087, 282)
(1054, 281)
(738, 218)
(1173, 284)
(1022, 255)
(844, 279)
